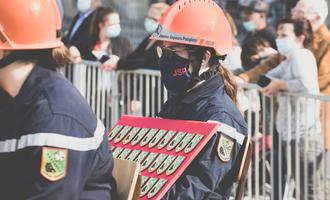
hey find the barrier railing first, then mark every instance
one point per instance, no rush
(95, 85)
(139, 92)
(289, 159)
(113, 94)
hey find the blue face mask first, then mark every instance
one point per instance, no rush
(250, 26)
(150, 25)
(114, 31)
(285, 45)
(174, 71)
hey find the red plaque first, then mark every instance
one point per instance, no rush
(164, 148)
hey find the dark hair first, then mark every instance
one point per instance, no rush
(252, 47)
(196, 54)
(47, 58)
(99, 17)
(301, 27)
(119, 46)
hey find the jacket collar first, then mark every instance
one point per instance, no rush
(172, 107)
(205, 89)
(32, 86)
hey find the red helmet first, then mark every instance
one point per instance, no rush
(29, 24)
(196, 22)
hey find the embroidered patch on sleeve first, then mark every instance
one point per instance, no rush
(225, 148)
(54, 163)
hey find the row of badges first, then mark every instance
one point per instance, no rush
(151, 186)
(150, 160)
(151, 137)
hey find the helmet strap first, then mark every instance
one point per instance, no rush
(195, 58)
(11, 58)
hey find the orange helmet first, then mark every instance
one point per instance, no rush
(196, 22)
(29, 24)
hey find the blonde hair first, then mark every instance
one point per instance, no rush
(229, 83)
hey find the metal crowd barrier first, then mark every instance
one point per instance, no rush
(139, 92)
(291, 163)
(290, 160)
(117, 93)
(95, 85)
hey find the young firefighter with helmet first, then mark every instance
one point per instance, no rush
(195, 37)
(51, 144)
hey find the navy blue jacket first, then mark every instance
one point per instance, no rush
(50, 112)
(208, 177)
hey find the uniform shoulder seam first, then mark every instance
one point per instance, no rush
(233, 119)
(64, 115)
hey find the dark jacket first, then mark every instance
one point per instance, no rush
(208, 177)
(141, 57)
(81, 36)
(49, 113)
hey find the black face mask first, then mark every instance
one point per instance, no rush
(174, 71)
(14, 56)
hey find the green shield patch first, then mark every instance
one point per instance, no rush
(54, 163)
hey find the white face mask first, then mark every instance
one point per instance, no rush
(150, 25)
(84, 5)
(286, 45)
(113, 31)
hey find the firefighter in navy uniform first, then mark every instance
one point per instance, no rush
(51, 144)
(195, 37)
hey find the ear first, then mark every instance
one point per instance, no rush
(101, 25)
(263, 15)
(301, 39)
(206, 57)
(205, 62)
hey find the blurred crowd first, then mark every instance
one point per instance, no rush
(291, 56)
(96, 30)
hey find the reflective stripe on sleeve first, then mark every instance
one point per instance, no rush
(55, 140)
(230, 131)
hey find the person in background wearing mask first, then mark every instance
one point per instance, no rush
(105, 35)
(298, 74)
(78, 32)
(144, 56)
(255, 22)
(316, 11)
(51, 144)
(254, 51)
(191, 48)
